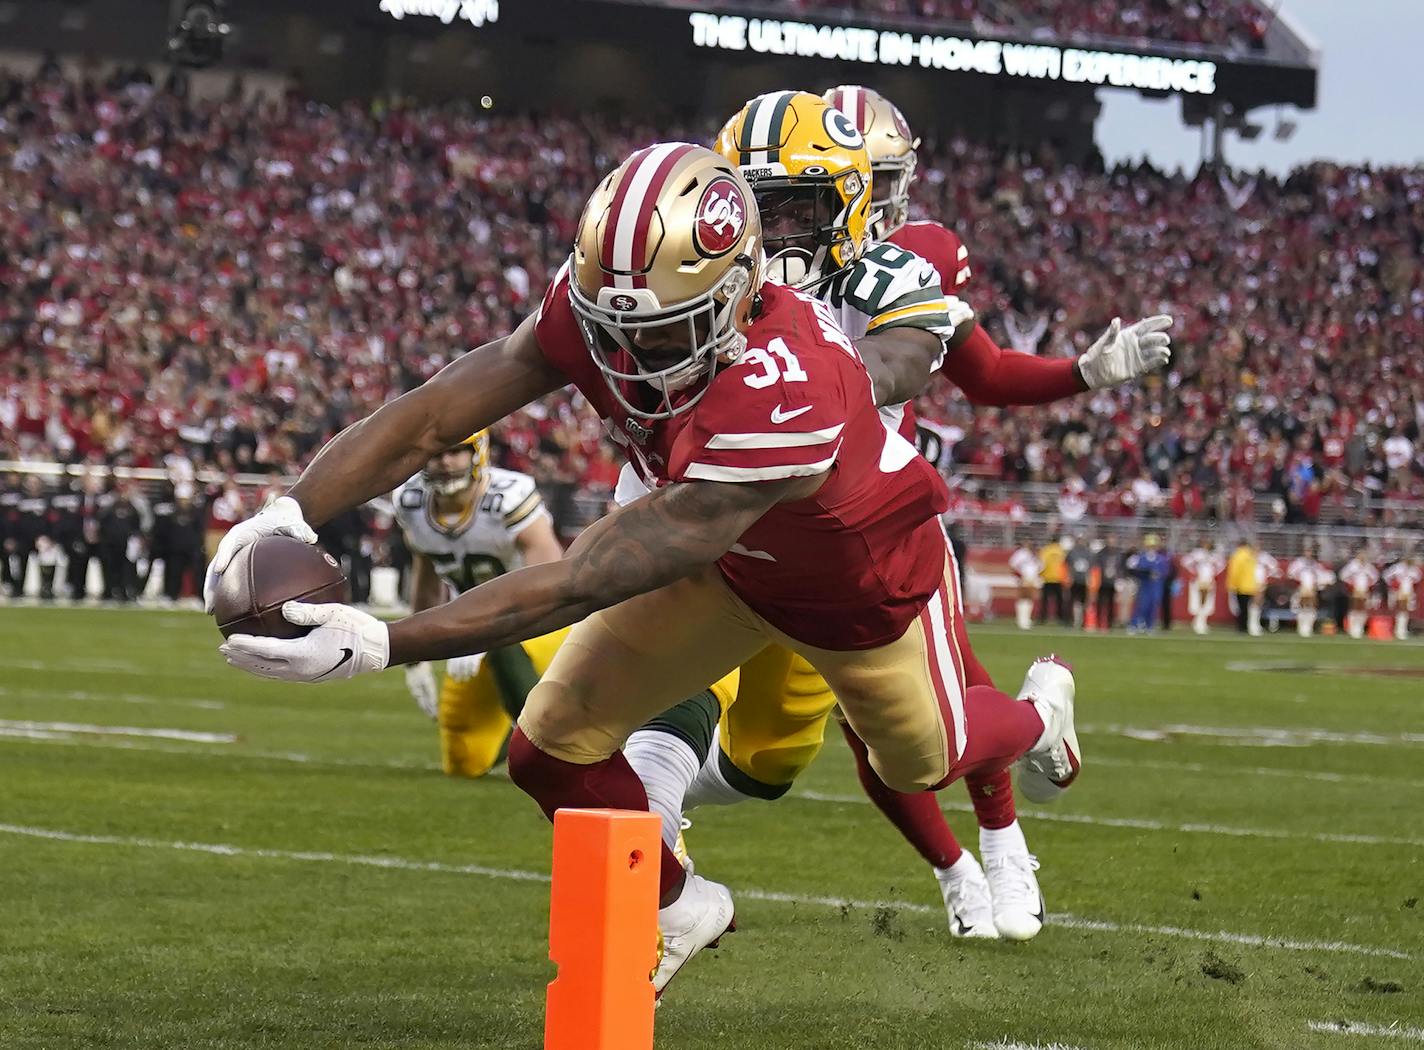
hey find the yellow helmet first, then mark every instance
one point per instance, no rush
(446, 484)
(807, 164)
(671, 240)
(892, 152)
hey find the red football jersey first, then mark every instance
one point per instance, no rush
(847, 568)
(940, 246)
(943, 248)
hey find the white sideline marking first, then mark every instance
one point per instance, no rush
(105, 668)
(1006, 1044)
(47, 735)
(80, 727)
(1257, 736)
(119, 744)
(1259, 771)
(1151, 825)
(516, 875)
(122, 698)
(1413, 1035)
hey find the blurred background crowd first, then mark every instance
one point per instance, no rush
(213, 288)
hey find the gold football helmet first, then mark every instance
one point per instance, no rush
(806, 162)
(665, 269)
(891, 148)
(444, 482)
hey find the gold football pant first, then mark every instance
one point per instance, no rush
(624, 665)
(476, 715)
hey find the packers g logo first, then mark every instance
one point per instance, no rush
(721, 217)
(842, 129)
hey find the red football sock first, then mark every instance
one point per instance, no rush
(917, 815)
(992, 795)
(999, 728)
(611, 784)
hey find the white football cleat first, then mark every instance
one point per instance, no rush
(696, 920)
(967, 899)
(1049, 767)
(1017, 900)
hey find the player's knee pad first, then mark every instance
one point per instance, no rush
(556, 721)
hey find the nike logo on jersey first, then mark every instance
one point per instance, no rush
(778, 416)
(345, 655)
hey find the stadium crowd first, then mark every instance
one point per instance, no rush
(1216, 23)
(224, 285)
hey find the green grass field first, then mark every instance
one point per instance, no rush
(241, 864)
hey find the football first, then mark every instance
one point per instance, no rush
(264, 575)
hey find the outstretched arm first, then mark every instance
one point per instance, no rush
(663, 537)
(653, 541)
(989, 375)
(382, 450)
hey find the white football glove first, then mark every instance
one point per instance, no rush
(463, 668)
(420, 680)
(1122, 354)
(282, 518)
(346, 642)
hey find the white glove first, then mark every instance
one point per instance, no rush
(463, 668)
(282, 518)
(420, 680)
(345, 643)
(1122, 354)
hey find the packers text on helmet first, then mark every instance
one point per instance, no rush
(807, 164)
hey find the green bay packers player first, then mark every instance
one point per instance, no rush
(466, 522)
(811, 171)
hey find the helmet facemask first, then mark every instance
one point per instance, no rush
(806, 226)
(713, 324)
(890, 206)
(453, 483)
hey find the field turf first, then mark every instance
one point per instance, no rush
(190, 858)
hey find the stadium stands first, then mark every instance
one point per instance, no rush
(224, 286)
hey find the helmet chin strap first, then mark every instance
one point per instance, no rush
(789, 267)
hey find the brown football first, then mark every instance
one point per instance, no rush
(263, 575)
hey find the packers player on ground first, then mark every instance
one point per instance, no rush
(809, 166)
(466, 522)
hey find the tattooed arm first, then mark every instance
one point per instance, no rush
(654, 541)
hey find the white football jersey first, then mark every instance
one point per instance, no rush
(1310, 574)
(1359, 576)
(889, 287)
(468, 553)
(1403, 578)
(1204, 566)
(1025, 563)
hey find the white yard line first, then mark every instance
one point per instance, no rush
(1258, 771)
(1409, 1035)
(517, 875)
(108, 697)
(119, 744)
(1008, 1044)
(1256, 736)
(55, 733)
(1140, 824)
(81, 727)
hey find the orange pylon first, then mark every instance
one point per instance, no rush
(603, 930)
(1379, 628)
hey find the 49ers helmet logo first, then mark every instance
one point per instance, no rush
(721, 217)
